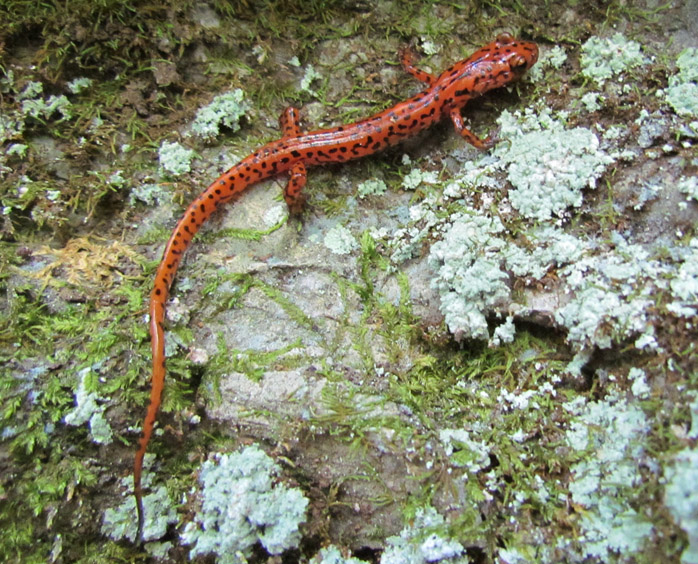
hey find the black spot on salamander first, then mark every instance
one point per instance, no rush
(340, 128)
(376, 145)
(463, 92)
(342, 149)
(218, 190)
(295, 154)
(241, 175)
(309, 154)
(158, 291)
(402, 126)
(202, 208)
(264, 164)
(333, 150)
(322, 154)
(284, 160)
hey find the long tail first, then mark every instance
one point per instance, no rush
(224, 189)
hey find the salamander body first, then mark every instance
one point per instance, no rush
(494, 65)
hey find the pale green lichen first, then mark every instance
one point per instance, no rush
(19, 149)
(469, 276)
(463, 451)
(605, 58)
(552, 58)
(548, 246)
(45, 108)
(681, 498)
(159, 512)
(689, 186)
(174, 158)
(416, 177)
(149, 193)
(422, 542)
(340, 240)
(242, 504)
(590, 101)
(79, 84)
(415, 545)
(684, 284)
(332, 555)
(682, 92)
(119, 522)
(472, 265)
(310, 76)
(548, 165)
(88, 410)
(613, 294)
(693, 431)
(611, 434)
(225, 110)
(504, 333)
(428, 46)
(373, 187)
(640, 388)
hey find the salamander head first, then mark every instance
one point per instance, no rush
(498, 63)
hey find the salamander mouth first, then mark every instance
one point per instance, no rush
(519, 65)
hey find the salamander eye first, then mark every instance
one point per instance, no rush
(504, 38)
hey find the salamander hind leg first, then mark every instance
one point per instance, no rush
(289, 122)
(293, 192)
(406, 60)
(468, 135)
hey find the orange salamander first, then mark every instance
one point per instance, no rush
(496, 64)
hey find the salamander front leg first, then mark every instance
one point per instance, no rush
(289, 122)
(406, 60)
(292, 194)
(468, 135)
